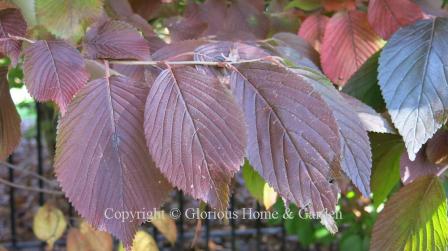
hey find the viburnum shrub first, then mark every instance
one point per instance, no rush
(340, 99)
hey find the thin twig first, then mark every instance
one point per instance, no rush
(439, 173)
(210, 63)
(39, 190)
(50, 182)
(21, 38)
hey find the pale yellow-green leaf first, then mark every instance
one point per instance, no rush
(414, 219)
(64, 18)
(27, 7)
(49, 224)
(142, 242)
(165, 225)
(258, 187)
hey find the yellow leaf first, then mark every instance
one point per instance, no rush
(269, 196)
(165, 225)
(49, 224)
(95, 240)
(142, 242)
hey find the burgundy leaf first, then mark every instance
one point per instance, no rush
(348, 42)
(293, 136)
(178, 51)
(116, 40)
(313, 29)
(436, 149)
(102, 161)
(9, 119)
(387, 16)
(195, 132)
(11, 23)
(411, 170)
(356, 155)
(54, 71)
(336, 5)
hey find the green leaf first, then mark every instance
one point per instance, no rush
(28, 10)
(413, 219)
(64, 18)
(352, 243)
(386, 154)
(363, 85)
(307, 5)
(258, 187)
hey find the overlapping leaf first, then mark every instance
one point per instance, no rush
(386, 153)
(54, 71)
(293, 136)
(413, 79)
(195, 133)
(9, 119)
(337, 5)
(63, 17)
(348, 42)
(363, 85)
(413, 219)
(356, 157)
(295, 49)
(178, 51)
(11, 23)
(412, 170)
(258, 187)
(313, 29)
(102, 161)
(372, 121)
(116, 40)
(387, 16)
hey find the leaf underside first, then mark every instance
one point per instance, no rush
(413, 79)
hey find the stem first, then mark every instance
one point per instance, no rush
(210, 63)
(21, 38)
(439, 173)
(17, 168)
(39, 190)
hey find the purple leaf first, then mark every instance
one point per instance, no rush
(195, 133)
(356, 155)
(102, 162)
(9, 119)
(411, 170)
(54, 71)
(11, 23)
(116, 40)
(293, 136)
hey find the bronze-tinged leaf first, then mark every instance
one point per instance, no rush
(54, 71)
(11, 23)
(166, 225)
(336, 5)
(436, 149)
(9, 119)
(102, 162)
(195, 133)
(293, 139)
(115, 40)
(356, 155)
(313, 29)
(411, 170)
(87, 239)
(387, 16)
(414, 219)
(413, 80)
(348, 42)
